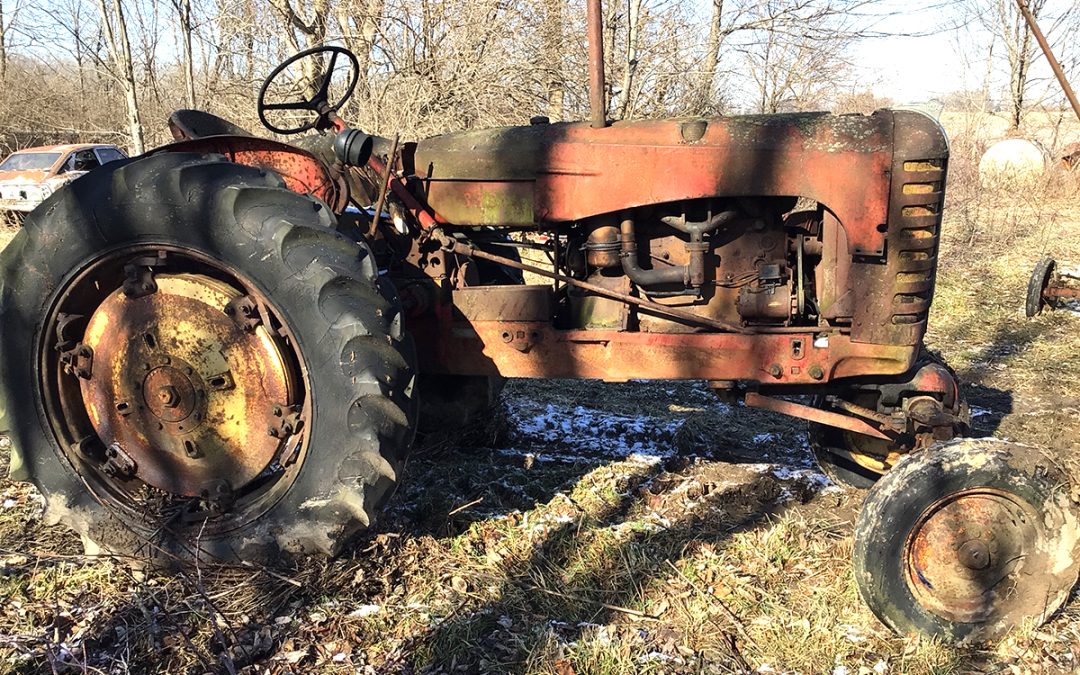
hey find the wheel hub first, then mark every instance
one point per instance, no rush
(185, 391)
(168, 394)
(964, 555)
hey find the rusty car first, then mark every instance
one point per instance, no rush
(28, 176)
(221, 349)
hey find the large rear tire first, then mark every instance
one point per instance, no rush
(315, 325)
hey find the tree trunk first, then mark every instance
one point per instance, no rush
(3, 42)
(633, 21)
(552, 56)
(359, 32)
(120, 47)
(312, 29)
(183, 8)
(712, 57)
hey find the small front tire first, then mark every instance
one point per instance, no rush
(966, 540)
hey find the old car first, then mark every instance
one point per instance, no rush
(28, 176)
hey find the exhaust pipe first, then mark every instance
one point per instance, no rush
(597, 99)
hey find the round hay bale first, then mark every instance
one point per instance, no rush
(1012, 162)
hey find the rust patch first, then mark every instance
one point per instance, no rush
(184, 391)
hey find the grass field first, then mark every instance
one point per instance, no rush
(594, 528)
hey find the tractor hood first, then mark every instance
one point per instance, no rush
(566, 172)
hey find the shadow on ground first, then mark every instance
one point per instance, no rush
(501, 546)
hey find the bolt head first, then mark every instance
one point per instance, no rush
(168, 396)
(974, 554)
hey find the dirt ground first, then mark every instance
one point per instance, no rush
(594, 528)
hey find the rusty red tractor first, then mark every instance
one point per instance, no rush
(209, 351)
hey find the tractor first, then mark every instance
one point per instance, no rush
(222, 349)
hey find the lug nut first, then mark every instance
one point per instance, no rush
(974, 555)
(816, 372)
(776, 370)
(169, 396)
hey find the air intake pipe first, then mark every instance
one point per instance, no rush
(692, 275)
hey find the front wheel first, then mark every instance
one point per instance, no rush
(195, 364)
(967, 539)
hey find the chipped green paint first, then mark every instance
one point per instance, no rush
(497, 207)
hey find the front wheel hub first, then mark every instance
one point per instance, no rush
(183, 389)
(966, 551)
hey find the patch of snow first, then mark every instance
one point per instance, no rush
(587, 434)
(658, 657)
(9, 503)
(815, 480)
(365, 610)
(766, 438)
(852, 634)
(976, 411)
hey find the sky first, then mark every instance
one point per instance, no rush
(926, 55)
(909, 66)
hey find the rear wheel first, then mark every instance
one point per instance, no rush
(215, 371)
(968, 539)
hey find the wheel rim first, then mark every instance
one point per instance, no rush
(169, 378)
(964, 558)
(873, 454)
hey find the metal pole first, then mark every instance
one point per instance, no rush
(597, 100)
(384, 183)
(1041, 39)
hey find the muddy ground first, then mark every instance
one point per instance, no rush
(590, 528)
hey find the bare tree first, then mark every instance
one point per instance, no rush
(1019, 51)
(115, 29)
(4, 27)
(428, 66)
(8, 16)
(630, 64)
(550, 58)
(793, 70)
(358, 21)
(305, 21)
(183, 17)
(1010, 45)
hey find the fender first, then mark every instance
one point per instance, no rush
(302, 171)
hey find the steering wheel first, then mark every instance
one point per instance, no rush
(319, 102)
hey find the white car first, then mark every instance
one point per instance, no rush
(28, 176)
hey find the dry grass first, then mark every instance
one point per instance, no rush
(505, 552)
